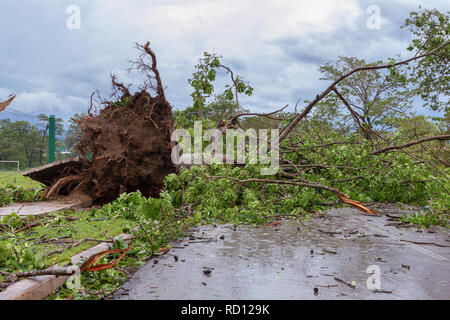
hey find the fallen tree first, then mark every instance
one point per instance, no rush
(126, 145)
(124, 161)
(296, 161)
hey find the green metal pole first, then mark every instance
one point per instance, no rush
(51, 138)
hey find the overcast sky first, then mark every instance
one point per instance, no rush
(276, 45)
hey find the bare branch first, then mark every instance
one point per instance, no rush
(319, 97)
(159, 88)
(411, 143)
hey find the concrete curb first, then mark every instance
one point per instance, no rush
(38, 288)
(37, 209)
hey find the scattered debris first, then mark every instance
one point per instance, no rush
(406, 266)
(28, 226)
(380, 235)
(398, 224)
(328, 251)
(358, 205)
(273, 224)
(350, 284)
(331, 233)
(327, 286)
(393, 217)
(49, 272)
(162, 251)
(381, 291)
(328, 275)
(426, 243)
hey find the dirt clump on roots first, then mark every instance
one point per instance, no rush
(125, 146)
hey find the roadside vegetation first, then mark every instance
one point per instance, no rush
(16, 193)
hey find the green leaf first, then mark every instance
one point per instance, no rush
(28, 259)
(152, 209)
(4, 253)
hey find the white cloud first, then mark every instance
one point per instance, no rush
(180, 31)
(47, 102)
(4, 93)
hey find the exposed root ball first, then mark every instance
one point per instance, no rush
(125, 146)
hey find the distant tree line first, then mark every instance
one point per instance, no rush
(28, 142)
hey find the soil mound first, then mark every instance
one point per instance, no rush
(126, 145)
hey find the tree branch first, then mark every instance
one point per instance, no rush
(411, 143)
(319, 97)
(154, 69)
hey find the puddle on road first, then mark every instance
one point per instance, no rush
(291, 261)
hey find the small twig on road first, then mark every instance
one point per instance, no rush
(427, 243)
(293, 216)
(327, 286)
(344, 282)
(20, 209)
(393, 217)
(382, 291)
(328, 251)
(331, 233)
(398, 224)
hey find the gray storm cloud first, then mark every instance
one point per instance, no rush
(277, 46)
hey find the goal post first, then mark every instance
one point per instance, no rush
(8, 166)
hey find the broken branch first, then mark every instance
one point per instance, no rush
(411, 143)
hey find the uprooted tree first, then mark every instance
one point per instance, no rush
(125, 146)
(128, 143)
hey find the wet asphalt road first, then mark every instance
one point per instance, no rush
(291, 260)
